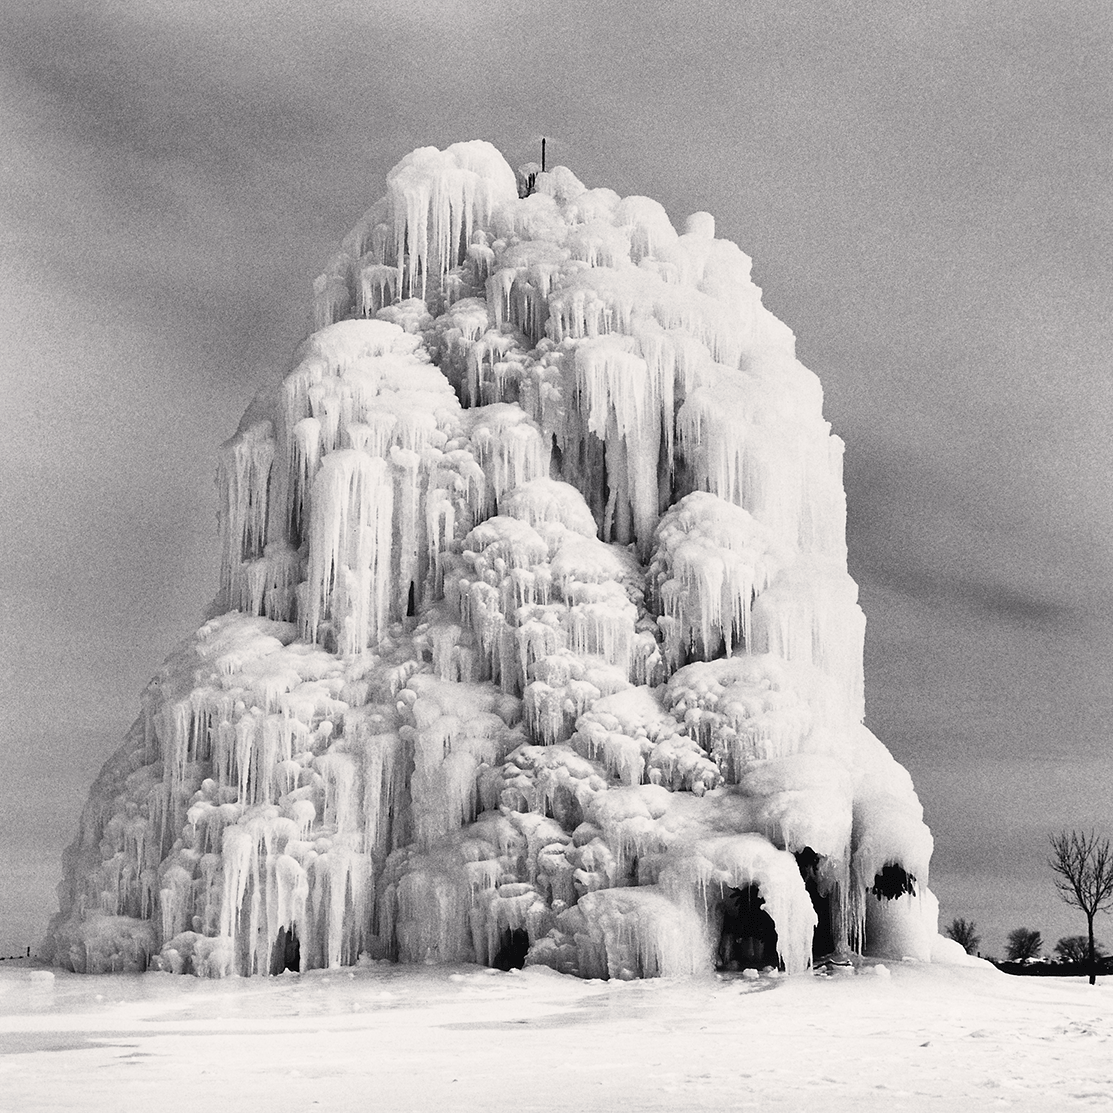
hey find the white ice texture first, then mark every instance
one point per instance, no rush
(535, 640)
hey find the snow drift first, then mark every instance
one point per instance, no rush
(535, 641)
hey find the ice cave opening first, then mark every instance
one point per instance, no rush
(513, 950)
(534, 640)
(812, 870)
(287, 951)
(893, 881)
(747, 935)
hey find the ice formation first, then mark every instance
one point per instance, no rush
(535, 641)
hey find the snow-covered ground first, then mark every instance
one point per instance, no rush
(410, 1038)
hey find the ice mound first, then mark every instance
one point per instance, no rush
(535, 641)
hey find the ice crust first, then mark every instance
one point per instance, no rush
(534, 627)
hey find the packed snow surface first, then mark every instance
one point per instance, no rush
(414, 1039)
(535, 642)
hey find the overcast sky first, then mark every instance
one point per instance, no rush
(924, 189)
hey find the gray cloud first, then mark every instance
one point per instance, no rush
(985, 599)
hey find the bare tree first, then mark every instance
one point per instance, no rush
(964, 933)
(1075, 949)
(1024, 944)
(1084, 864)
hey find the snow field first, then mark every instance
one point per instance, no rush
(398, 1038)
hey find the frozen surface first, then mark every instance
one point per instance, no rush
(535, 641)
(924, 1037)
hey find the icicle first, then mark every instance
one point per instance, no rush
(243, 475)
(710, 560)
(509, 448)
(438, 198)
(350, 549)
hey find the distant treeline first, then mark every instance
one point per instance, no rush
(1055, 969)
